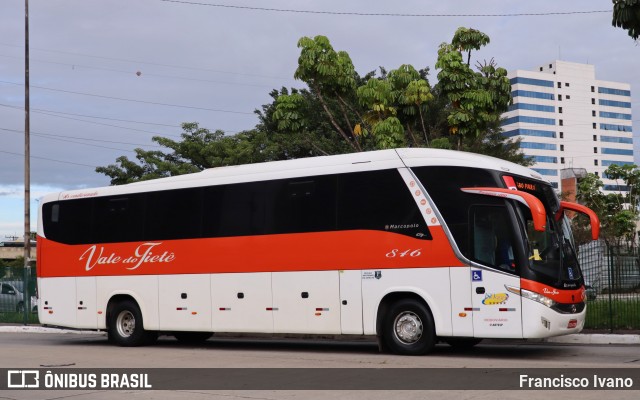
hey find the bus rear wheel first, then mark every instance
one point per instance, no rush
(126, 327)
(408, 328)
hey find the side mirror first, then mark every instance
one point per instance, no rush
(538, 214)
(593, 218)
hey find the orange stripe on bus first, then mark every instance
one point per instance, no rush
(336, 250)
(559, 295)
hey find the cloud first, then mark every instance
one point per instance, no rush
(99, 47)
(11, 191)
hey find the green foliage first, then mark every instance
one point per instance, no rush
(389, 134)
(288, 114)
(198, 149)
(343, 112)
(315, 134)
(331, 77)
(626, 15)
(619, 314)
(322, 68)
(618, 211)
(378, 96)
(477, 98)
(467, 39)
(415, 95)
(441, 143)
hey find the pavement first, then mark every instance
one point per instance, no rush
(579, 338)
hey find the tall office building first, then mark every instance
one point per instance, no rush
(569, 119)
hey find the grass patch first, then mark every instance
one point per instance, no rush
(619, 314)
(18, 318)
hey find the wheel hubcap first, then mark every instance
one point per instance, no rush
(126, 323)
(408, 327)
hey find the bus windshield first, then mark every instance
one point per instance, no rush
(550, 253)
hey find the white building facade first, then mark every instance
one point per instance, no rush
(569, 119)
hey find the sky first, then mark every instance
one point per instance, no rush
(107, 76)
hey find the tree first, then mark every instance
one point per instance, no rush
(198, 149)
(295, 126)
(618, 211)
(328, 73)
(626, 15)
(342, 112)
(476, 99)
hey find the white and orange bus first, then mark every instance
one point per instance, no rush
(411, 245)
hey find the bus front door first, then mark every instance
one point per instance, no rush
(496, 311)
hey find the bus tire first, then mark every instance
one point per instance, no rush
(192, 337)
(126, 325)
(408, 328)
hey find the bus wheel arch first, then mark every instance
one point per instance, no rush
(125, 323)
(405, 324)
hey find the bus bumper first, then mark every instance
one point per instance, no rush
(540, 321)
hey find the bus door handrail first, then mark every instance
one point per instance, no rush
(538, 214)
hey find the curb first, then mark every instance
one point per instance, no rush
(594, 338)
(42, 329)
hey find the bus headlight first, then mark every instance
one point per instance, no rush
(537, 297)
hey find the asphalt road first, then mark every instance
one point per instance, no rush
(46, 350)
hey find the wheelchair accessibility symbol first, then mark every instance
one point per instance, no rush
(476, 276)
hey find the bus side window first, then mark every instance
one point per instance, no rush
(491, 239)
(174, 214)
(307, 205)
(68, 221)
(379, 200)
(234, 210)
(118, 219)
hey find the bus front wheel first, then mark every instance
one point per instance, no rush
(125, 325)
(408, 328)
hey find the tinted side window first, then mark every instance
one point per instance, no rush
(302, 205)
(491, 237)
(118, 219)
(174, 214)
(379, 200)
(443, 186)
(68, 221)
(234, 210)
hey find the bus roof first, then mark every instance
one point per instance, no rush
(353, 162)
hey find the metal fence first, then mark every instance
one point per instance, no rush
(13, 307)
(612, 276)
